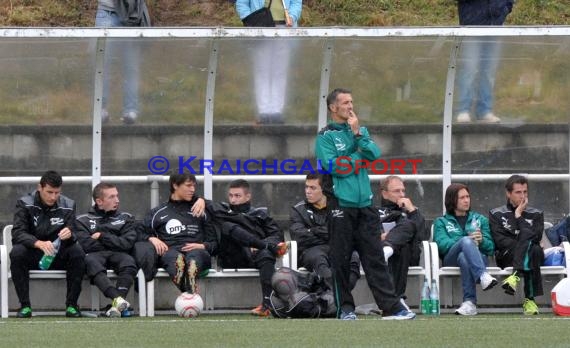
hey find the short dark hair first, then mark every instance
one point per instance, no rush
(51, 178)
(315, 176)
(240, 183)
(331, 98)
(451, 196)
(515, 179)
(179, 179)
(100, 187)
(387, 180)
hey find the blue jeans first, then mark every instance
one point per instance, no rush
(479, 59)
(465, 255)
(128, 53)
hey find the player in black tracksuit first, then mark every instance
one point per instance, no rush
(107, 235)
(517, 230)
(309, 227)
(250, 238)
(184, 242)
(41, 217)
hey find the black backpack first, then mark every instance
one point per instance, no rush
(133, 13)
(310, 299)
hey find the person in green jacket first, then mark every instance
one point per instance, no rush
(464, 240)
(354, 224)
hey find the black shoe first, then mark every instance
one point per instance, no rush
(25, 312)
(72, 312)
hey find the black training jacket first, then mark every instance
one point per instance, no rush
(35, 221)
(172, 222)
(117, 229)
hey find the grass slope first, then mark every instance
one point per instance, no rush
(315, 12)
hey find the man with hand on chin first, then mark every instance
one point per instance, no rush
(403, 229)
(517, 230)
(354, 223)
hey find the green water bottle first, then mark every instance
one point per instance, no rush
(434, 298)
(46, 260)
(425, 300)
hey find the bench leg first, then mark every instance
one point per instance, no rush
(142, 293)
(150, 298)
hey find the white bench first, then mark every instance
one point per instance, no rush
(445, 274)
(5, 275)
(206, 288)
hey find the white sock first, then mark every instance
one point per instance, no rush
(388, 251)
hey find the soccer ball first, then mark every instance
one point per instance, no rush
(189, 305)
(284, 282)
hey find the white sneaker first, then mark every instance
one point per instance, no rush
(113, 313)
(487, 281)
(463, 117)
(129, 117)
(467, 308)
(490, 118)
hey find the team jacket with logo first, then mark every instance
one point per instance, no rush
(408, 227)
(35, 221)
(506, 229)
(447, 231)
(117, 229)
(308, 225)
(172, 222)
(339, 152)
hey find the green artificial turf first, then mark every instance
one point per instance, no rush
(209, 330)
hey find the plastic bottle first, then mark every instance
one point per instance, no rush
(475, 226)
(434, 298)
(425, 300)
(46, 260)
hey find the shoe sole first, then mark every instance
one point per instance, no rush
(491, 285)
(192, 273)
(179, 276)
(465, 314)
(508, 289)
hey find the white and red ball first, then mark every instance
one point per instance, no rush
(189, 305)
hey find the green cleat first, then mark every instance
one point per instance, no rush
(530, 307)
(510, 284)
(72, 312)
(25, 312)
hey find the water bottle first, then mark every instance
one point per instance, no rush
(434, 298)
(475, 226)
(46, 260)
(425, 300)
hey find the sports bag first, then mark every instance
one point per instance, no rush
(260, 18)
(300, 295)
